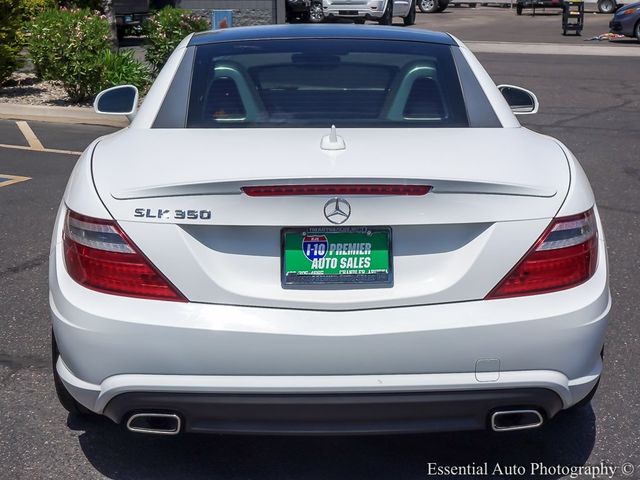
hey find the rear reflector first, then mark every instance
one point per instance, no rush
(337, 189)
(98, 255)
(564, 256)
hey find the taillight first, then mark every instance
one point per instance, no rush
(564, 256)
(98, 255)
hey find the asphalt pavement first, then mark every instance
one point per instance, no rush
(591, 104)
(498, 24)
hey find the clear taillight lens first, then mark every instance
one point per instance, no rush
(98, 255)
(564, 256)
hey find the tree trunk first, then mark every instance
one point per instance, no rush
(107, 8)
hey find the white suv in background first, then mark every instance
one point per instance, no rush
(381, 11)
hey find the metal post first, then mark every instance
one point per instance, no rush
(279, 11)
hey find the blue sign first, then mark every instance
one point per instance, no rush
(221, 19)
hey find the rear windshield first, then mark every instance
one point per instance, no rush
(320, 82)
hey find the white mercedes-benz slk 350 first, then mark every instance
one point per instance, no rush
(330, 229)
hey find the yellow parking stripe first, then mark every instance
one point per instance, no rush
(31, 137)
(6, 180)
(45, 150)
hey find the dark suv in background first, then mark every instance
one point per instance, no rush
(304, 11)
(129, 16)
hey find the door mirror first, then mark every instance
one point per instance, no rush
(521, 101)
(120, 100)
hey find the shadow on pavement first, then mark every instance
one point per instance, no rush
(131, 41)
(118, 454)
(625, 41)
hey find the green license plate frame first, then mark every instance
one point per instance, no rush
(367, 254)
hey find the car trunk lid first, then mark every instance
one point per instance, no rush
(493, 191)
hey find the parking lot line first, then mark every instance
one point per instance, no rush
(31, 137)
(35, 145)
(6, 180)
(44, 150)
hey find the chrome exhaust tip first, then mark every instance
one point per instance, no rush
(510, 420)
(155, 423)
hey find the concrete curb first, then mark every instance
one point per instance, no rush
(553, 49)
(40, 113)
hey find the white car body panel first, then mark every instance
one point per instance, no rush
(145, 116)
(495, 190)
(534, 335)
(437, 233)
(499, 104)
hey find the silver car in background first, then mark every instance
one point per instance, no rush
(381, 11)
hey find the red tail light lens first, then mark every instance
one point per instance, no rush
(338, 189)
(565, 256)
(98, 255)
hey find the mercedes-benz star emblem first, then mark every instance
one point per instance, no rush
(337, 210)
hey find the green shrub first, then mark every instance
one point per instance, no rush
(166, 29)
(73, 47)
(32, 8)
(64, 45)
(123, 69)
(10, 38)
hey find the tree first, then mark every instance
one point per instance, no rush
(107, 8)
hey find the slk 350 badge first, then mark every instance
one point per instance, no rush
(164, 214)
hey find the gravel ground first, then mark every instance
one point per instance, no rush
(26, 88)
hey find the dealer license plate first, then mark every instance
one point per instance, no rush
(321, 256)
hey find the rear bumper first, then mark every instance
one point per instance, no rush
(164, 392)
(335, 413)
(559, 353)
